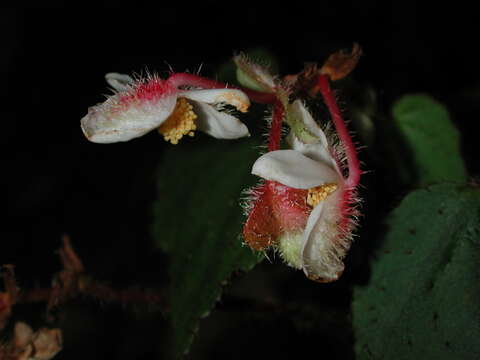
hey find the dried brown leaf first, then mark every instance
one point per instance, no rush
(341, 63)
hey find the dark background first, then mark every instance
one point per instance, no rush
(54, 181)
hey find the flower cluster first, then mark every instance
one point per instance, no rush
(304, 206)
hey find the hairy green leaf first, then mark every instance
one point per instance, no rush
(423, 298)
(432, 141)
(198, 221)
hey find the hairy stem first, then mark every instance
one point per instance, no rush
(276, 126)
(71, 282)
(94, 290)
(353, 163)
(184, 79)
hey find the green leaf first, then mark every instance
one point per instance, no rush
(423, 298)
(198, 222)
(431, 139)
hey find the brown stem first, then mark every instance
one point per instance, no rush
(71, 282)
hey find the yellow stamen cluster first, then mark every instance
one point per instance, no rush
(180, 122)
(319, 193)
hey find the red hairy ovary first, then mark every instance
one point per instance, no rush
(150, 90)
(276, 209)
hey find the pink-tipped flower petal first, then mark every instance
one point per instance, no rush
(122, 119)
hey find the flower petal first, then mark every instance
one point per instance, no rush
(313, 151)
(218, 124)
(318, 151)
(323, 250)
(298, 110)
(293, 169)
(232, 97)
(113, 121)
(120, 82)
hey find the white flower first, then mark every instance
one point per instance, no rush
(318, 248)
(138, 107)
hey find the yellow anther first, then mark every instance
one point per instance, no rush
(181, 122)
(319, 193)
(241, 103)
(238, 102)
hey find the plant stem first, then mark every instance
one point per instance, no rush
(276, 126)
(94, 290)
(353, 163)
(185, 79)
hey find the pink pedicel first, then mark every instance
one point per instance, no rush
(276, 126)
(191, 80)
(155, 88)
(353, 163)
(349, 198)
